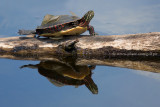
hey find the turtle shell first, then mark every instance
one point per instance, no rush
(60, 25)
(51, 20)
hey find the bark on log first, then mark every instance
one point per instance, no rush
(134, 51)
(131, 45)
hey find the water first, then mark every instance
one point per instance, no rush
(117, 87)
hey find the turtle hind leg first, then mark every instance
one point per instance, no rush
(91, 30)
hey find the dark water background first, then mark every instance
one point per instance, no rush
(118, 87)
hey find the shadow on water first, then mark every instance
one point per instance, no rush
(66, 72)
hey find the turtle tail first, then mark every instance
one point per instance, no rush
(26, 32)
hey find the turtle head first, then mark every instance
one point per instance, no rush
(87, 17)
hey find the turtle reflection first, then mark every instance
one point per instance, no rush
(62, 73)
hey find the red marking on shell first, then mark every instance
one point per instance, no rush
(50, 27)
(59, 27)
(55, 27)
(62, 25)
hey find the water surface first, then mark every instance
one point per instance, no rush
(117, 87)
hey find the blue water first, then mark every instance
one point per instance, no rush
(118, 87)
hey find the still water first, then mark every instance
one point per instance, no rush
(30, 83)
(46, 83)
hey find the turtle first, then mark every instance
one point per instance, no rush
(63, 25)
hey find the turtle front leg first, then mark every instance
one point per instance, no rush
(91, 30)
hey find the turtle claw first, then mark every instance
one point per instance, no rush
(94, 34)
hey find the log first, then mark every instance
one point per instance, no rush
(130, 45)
(134, 51)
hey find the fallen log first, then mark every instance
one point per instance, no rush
(130, 45)
(134, 51)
